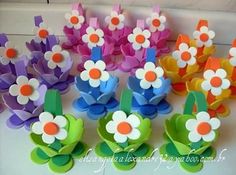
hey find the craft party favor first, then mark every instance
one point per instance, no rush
(181, 65)
(124, 135)
(190, 135)
(57, 136)
(150, 88)
(230, 66)
(215, 86)
(97, 87)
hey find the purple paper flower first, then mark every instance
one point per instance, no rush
(7, 76)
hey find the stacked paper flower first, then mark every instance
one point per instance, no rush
(124, 135)
(57, 136)
(189, 136)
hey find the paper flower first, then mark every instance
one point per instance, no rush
(94, 73)
(56, 57)
(123, 127)
(215, 81)
(204, 37)
(9, 53)
(7, 77)
(42, 32)
(156, 22)
(185, 55)
(93, 37)
(139, 38)
(115, 21)
(202, 127)
(74, 19)
(51, 128)
(150, 76)
(25, 90)
(232, 53)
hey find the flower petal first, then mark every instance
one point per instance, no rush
(209, 137)
(94, 83)
(119, 116)
(37, 128)
(145, 84)
(22, 99)
(134, 134)
(48, 138)
(215, 123)
(191, 124)
(206, 85)
(34, 96)
(34, 82)
(193, 136)
(111, 127)
(84, 75)
(60, 121)
(203, 116)
(133, 120)
(21, 80)
(208, 74)
(61, 135)
(45, 117)
(14, 90)
(120, 138)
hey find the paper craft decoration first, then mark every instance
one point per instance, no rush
(215, 86)
(25, 98)
(124, 135)
(57, 136)
(190, 135)
(230, 67)
(150, 88)
(181, 65)
(97, 88)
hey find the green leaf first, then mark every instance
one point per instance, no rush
(67, 149)
(192, 159)
(61, 160)
(52, 102)
(38, 156)
(56, 145)
(61, 169)
(124, 160)
(80, 150)
(190, 168)
(144, 151)
(103, 150)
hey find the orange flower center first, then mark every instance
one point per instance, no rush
(216, 81)
(203, 128)
(185, 56)
(204, 37)
(74, 20)
(140, 39)
(57, 57)
(95, 73)
(43, 33)
(11, 53)
(124, 128)
(94, 38)
(51, 128)
(150, 76)
(115, 21)
(26, 90)
(156, 22)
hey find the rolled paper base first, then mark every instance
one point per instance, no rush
(179, 88)
(221, 111)
(233, 91)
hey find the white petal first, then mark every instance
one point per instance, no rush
(105, 76)
(89, 65)
(94, 83)
(221, 73)
(84, 75)
(45, 117)
(21, 80)
(60, 120)
(134, 134)
(100, 42)
(146, 44)
(22, 99)
(194, 136)
(131, 38)
(61, 135)
(193, 51)
(161, 27)
(121, 17)
(4, 61)
(149, 66)
(67, 16)
(48, 55)
(75, 12)
(225, 84)
(204, 29)
(232, 51)
(34, 96)
(100, 65)
(203, 116)
(216, 91)
(51, 64)
(208, 43)
(199, 43)
(120, 138)
(37, 128)
(208, 74)
(145, 84)
(136, 46)
(146, 33)
(215, 123)
(48, 138)
(85, 38)
(157, 83)
(233, 61)
(137, 30)
(9, 44)
(183, 47)
(90, 30)
(191, 124)
(119, 116)
(211, 34)
(99, 32)
(196, 34)
(56, 48)
(108, 19)
(14, 90)
(176, 54)
(159, 71)
(133, 120)
(120, 26)
(209, 137)
(206, 85)
(162, 19)
(34, 82)
(111, 127)
(140, 73)
(181, 63)
(192, 61)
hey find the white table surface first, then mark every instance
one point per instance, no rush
(15, 145)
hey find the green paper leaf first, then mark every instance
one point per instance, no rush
(209, 153)
(103, 150)
(123, 167)
(164, 153)
(61, 160)
(171, 150)
(126, 100)
(56, 145)
(53, 103)
(192, 159)
(144, 151)
(124, 160)
(38, 156)
(192, 169)
(61, 169)
(67, 149)
(80, 150)
(196, 145)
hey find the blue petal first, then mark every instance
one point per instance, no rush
(134, 84)
(110, 85)
(164, 107)
(148, 93)
(156, 99)
(80, 105)
(104, 98)
(96, 111)
(141, 100)
(88, 98)
(135, 105)
(149, 111)
(82, 85)
(112, 103)
(164, 89)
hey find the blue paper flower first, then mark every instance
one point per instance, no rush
(96, 101)
(150, 102)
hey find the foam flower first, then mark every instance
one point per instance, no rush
(185, 55)
(94, 73)
(232, 53)
(150, 75)
(204, 37)
(51, 128)
(139, 38)
(215, 81)
(9, 53)
(123, 127)
(56, 57)
(25, 90)
(156, 22)
(42, 32)
(115, 21)
(74, 19)
(94, 37)
(202, 127)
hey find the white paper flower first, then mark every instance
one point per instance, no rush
(204, 37)
(150, 76)
(202, 127)
(94, 37)
(185, 55)
(42, 32)
(56, 57)
(156, 22)
(25, 90)
(215, 81)
(139, 38)
(50, 127)
(124, 127)
(232, 53)
(9, 53)
(115, 21)
(94, 72)
(74, 19)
